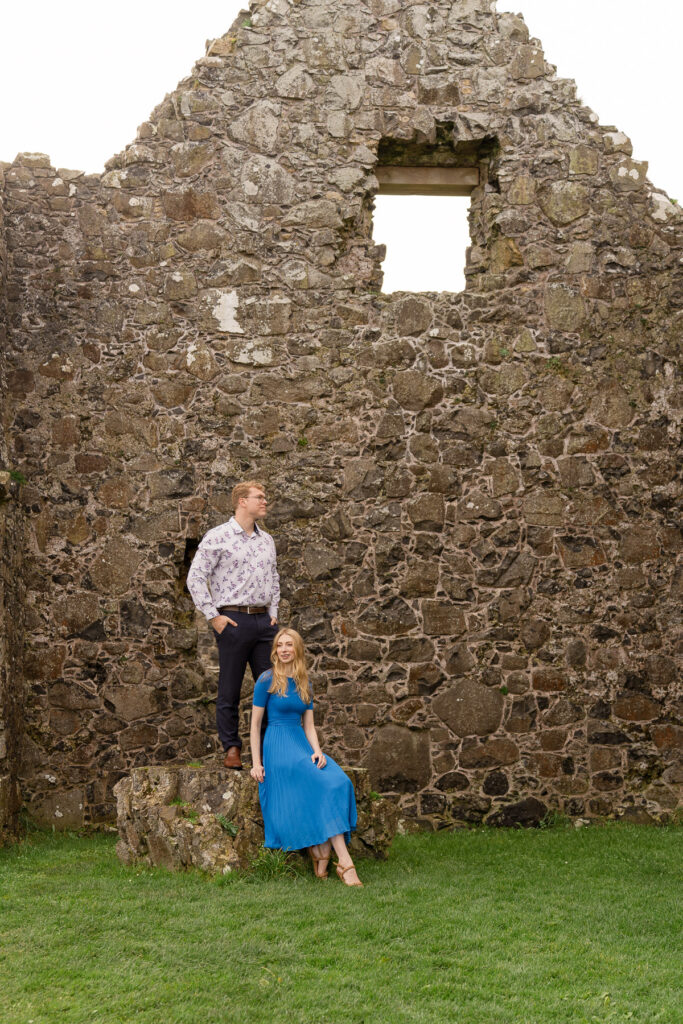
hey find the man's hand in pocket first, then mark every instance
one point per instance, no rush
(220, 622)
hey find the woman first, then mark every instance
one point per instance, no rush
(306, 799)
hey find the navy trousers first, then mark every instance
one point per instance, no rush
(248, 643)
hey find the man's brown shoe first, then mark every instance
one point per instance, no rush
(232, 758)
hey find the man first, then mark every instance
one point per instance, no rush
(233, 580)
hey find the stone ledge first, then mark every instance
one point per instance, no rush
(180, 816)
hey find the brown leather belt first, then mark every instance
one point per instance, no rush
(246, 609)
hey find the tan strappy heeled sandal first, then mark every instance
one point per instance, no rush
(342, 871)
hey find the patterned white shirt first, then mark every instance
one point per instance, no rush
(232, 567)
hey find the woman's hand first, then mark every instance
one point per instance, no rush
(258, 772)
(320, 758)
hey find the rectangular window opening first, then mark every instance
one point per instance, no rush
(421, 211)
(426, 239)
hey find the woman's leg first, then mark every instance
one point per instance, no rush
(340, 848)
(320, 854)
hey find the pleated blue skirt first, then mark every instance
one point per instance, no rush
(302, 805)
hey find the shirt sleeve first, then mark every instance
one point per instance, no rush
(261, 694)
(203, 565)
(275, 586)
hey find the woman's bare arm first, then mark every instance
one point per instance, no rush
(312, 737)
(257, 771)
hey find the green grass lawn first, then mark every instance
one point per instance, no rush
(486, 927)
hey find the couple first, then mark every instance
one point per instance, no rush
(306, 799)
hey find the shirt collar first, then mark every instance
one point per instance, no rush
(236, 528)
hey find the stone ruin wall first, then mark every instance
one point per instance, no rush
(473, 493)
(11, 595)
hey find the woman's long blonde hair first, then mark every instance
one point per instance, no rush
(297, 669)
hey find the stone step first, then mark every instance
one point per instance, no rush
(204, 816)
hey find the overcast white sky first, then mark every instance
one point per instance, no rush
(78, 78)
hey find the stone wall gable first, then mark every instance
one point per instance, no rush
(251, 128)
(473, 492)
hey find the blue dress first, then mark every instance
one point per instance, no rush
(302, 805)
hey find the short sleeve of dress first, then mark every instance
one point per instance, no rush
(261, 694)
(309, 706)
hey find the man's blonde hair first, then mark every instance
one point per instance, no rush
(242, 491)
